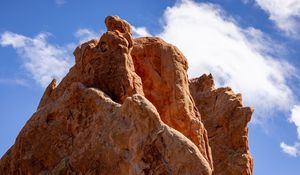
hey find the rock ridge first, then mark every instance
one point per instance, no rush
(127, 107)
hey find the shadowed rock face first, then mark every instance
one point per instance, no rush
(226, 121)
(125, 108)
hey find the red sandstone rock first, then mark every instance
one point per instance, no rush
(125, 108)
(96, 121)
(226, 121)
(84, 131)
(105, 64)
(163, 70)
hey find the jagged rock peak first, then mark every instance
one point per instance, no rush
(125, 107)
(226, 122)
(114, 23)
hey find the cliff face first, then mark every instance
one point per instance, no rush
(226, 121)
(125, 107)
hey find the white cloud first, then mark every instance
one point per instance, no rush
(290, 150)
(140, 31)
(285, 14)
(294, 118)
(214, 43)
(42, 60)
(262, 43)
(85, 35)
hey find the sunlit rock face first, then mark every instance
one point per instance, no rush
(226, 122)
(125, 107)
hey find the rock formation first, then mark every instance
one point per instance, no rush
(226, 121)
(125, 107)
(168, 90)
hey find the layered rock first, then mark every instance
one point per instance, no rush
(125, 108)
(226, 121)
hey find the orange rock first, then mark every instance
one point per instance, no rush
(85, 132)
(97, 120)
(47, 93)
(125, 108)
(163, 70)
(114, 23)
(226, 121)
(106, 64)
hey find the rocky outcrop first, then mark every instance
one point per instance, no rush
(84, 131)
(125, 108)
(168, 90)
(226, 121)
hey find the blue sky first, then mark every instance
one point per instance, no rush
(251, 45)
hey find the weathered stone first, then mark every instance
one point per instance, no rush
(125, 108)
(226, 121)
(47, 93)
(106, 64)
(84, 131)
(163, 70)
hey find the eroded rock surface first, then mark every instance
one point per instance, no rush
(84, 131)
(155, 62)
(226, 122)
(106, 64)
(125, 108)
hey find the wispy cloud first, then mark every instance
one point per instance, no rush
(293, 150)
(284, 13)
(290, 150)
(213, 42)
(295, 118)
(84, 34)
(140, 31)
(41, 59)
